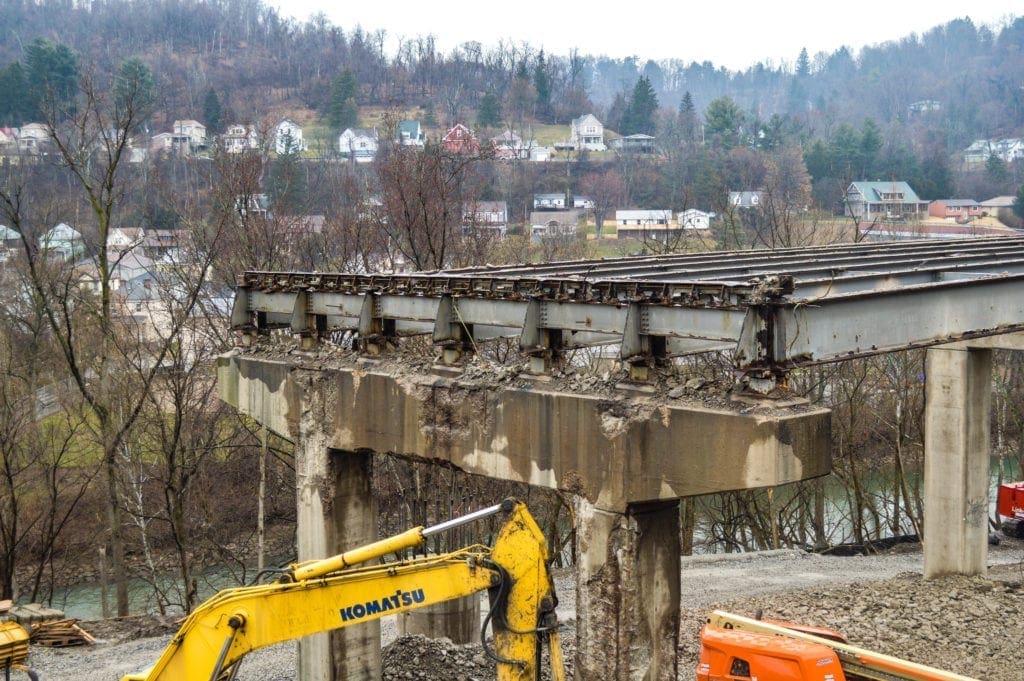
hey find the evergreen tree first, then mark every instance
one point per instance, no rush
(643, 104)
(803, 64)
(429, 114)
(723, 122)
(286, 185)
(1018, 203)
(213, 114)
(870, 145)
(134, 88)
(687, 119)
(52, 78)
(937, 177)
(798, 86)
(997, 174)
(343, 108)
(617, 113)
(489, 113)
(542, 85)
(14, 109)
(818, 161)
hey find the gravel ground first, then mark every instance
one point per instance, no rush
(972, 626)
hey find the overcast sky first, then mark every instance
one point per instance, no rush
(734, 34)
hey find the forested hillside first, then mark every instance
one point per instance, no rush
(256, 59)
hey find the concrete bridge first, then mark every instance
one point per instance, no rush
(627, 455)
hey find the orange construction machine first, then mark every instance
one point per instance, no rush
(736, 648)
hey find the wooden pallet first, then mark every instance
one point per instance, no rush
(60, 634)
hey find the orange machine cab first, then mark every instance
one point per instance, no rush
(733, 655)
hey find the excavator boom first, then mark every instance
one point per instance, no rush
(319, 596)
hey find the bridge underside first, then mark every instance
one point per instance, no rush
(627, 455)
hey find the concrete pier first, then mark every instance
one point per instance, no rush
(457, 620)
(956, 460)
(627, 592)
(628, 457)
(335, 512)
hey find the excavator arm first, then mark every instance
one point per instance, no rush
(319, 596)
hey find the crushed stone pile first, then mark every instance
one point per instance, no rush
(968, 625)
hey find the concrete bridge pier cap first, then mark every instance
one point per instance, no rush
(627, 458)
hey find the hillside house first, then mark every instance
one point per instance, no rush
(996, 203)
(359, 144)
(489, 215)
(8, 138)
(559, 202)
(644, 224)
(883, 201)
(746, 199)
(693, 219)
(33, 138)
(558, 224)
(586, 132)
(63, 242)
(10, 240)
(122, 239)
(1008, 150)
(288, 137)
(955, 210)
(460, 140)
(511, 146)
(635, 144)
(410, 134)
(549, 201)
(188, 137)
(238, 138)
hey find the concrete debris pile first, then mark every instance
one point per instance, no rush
(967, 625)
(418, 657)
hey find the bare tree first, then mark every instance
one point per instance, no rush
(424, 194)
(110, 370)
(607, 190)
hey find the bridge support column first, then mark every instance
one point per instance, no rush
(956, 460)
(335, 512)
(458, 620)
(627, 592)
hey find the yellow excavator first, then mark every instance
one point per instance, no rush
(347, 589)
(322, 595)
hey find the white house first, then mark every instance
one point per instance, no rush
(411, 134)
(490, 215)
(188, 136)
(9, 240)
(32, 137)
(238, 138)
(643, 223)
(510, 146)
(586, 132)
(63, 241)
(978, 153)
(124, 238)
(746, 199)
(288, 137)
(359, 144)
(694, 219)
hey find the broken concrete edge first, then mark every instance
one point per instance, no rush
(612, 449)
